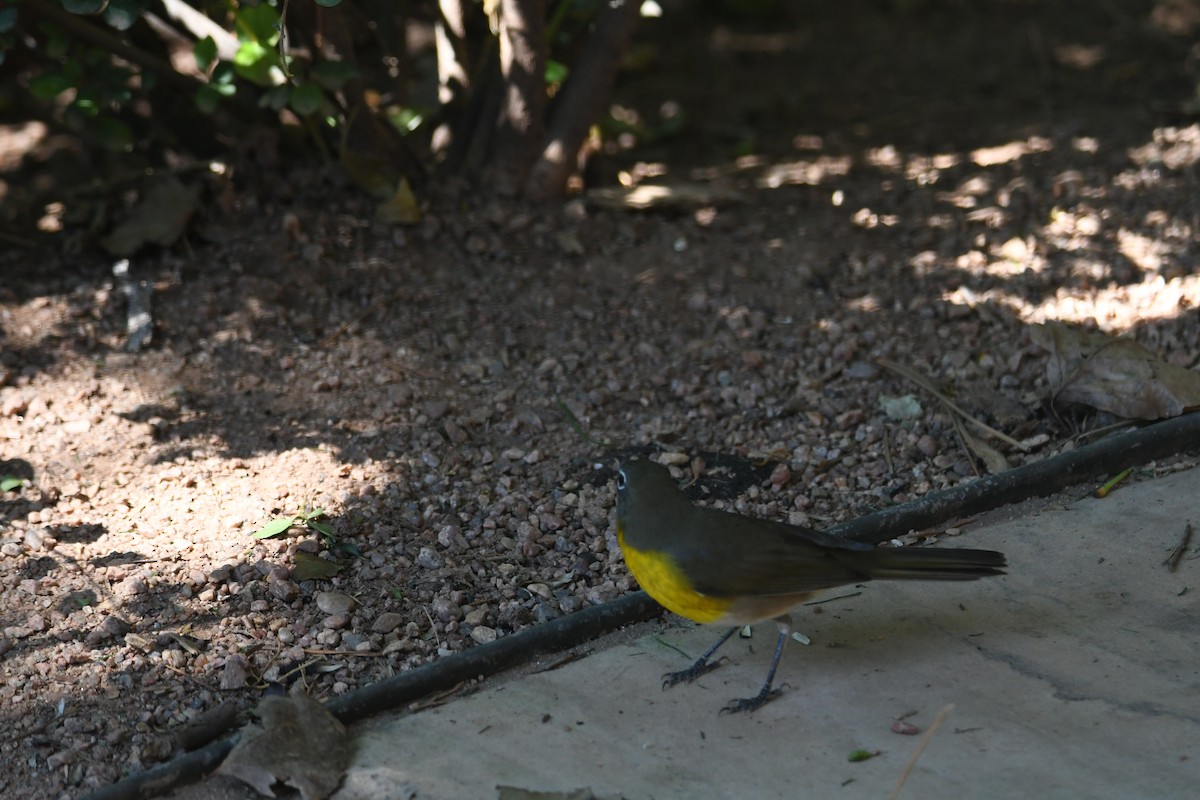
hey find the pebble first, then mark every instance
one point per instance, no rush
(283, 590)
(353, 641)
(115, 626)
(34, 538)
(335, 603)
(387, 622)
(132, 586)
(445, 609)
(428, 559)
(482, 634)
(233, 674)
(928, 446)
(335, 622)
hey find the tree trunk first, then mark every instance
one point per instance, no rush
(520, 128)
(584, 95)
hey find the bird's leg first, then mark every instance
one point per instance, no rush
(700, 667)
(766, 694)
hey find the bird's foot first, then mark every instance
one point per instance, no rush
(690, 674)
(749, 704)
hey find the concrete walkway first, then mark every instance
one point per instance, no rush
(1075, 676)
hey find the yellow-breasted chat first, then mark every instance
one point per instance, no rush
(716, 567)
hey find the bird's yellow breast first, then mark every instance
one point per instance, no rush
(662, 579)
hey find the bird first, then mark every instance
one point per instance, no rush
(716, 567)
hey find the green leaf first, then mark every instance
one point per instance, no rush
(49, 85)
(256, 63)
(224, 74)
(10, 483)
(121, 14)
(274, 527)
(84, 6)
(556, 72)
(349, 548)
(205, 53)
(113, 134)
(323, 528)
(258, 23)
(861, 755)
(8, 19)
(333, 74)
(307, 99)
(208, 98)
(276, 97)
(328, 3)
(308, 567)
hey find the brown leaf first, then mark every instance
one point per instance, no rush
(160, 218)
(308, 567)
(298, 743)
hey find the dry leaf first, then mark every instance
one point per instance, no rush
(298, 743)
(308, 567)
(1116, 375)
(160, 218)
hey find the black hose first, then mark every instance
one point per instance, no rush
(1105, 457)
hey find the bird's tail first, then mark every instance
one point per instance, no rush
(930, 564)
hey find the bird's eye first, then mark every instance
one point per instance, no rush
(622, 480)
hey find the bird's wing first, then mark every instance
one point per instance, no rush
(734, 556)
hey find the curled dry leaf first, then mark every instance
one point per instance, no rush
(298, 743)
(1119, 376)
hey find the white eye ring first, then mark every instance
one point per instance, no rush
(622, 480)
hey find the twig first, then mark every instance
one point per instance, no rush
(1111, 484)
(437, 699)
(565, 659)
(831, 599)
(1176, 556)
(925, 384)
(572, 420)
(912, 761)
(354, 653)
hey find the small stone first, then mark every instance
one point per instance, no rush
(928, 446)
(283, 590)
(34, 538)
(482, 634)
(445, 609)
(132, 586)
(115, 626)
(352, 641)
(476, 616)
(233, 675)
(335, 622)
(570, 603)
(335, 603)
(449, 535)
(429, 559)
(387, 622)
(10, 549)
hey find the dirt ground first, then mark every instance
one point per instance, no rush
(913, 181)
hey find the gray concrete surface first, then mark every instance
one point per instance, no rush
(1074, 676)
